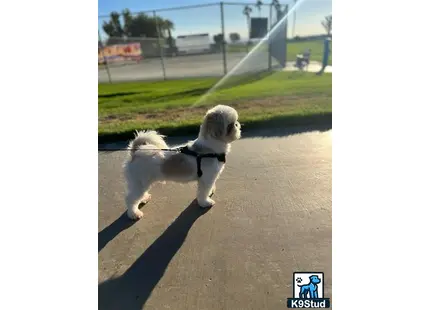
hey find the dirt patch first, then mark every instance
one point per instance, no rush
(114, 118)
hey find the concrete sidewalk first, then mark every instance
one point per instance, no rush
(272, 217)
(314, 66)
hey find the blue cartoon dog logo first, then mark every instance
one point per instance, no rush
(308, 293)
(309, 290)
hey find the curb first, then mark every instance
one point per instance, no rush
(274, 122)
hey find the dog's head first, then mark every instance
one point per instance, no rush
(221, 123)
(314, 279)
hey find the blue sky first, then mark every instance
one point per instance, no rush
(208, 19)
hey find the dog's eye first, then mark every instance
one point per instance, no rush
(229, 128)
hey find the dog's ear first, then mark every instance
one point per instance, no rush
(214, 125)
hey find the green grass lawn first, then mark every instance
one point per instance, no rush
(316, 47)
(293, 48)
(170, 105)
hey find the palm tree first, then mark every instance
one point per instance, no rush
(327, 24)
(259, 4)
(247, 10)
(275, 4)
(168, 26)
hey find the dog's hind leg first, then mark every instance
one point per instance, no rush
(303, 292)
(134, 196)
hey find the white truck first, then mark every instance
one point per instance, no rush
(193, 44)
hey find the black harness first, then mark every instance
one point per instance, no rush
(185, 150)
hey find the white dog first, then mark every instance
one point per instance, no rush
(201, 160)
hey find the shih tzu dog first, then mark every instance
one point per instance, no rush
(150, 160)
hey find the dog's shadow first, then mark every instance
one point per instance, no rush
(110, 232)
(131, 290)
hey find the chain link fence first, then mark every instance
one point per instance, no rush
(206, 40)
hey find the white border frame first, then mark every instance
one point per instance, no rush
(49, 161)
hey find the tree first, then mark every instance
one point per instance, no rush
(278, 9)
(167, 26)
(326, 23)
(234, 37)
(218, 39)
(141, 25)
(276, 5)
(128, 22)
(259, 4)
(113, 28)
(247, 10)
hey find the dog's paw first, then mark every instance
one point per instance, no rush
(135, 214)
(146, 198)
(206, 203)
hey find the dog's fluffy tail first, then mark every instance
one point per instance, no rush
(146, 139)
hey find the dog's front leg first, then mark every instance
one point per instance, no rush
(212, 191)
(206, 188)
(313, 293)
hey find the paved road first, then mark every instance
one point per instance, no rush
(184, 66)
(272, 218)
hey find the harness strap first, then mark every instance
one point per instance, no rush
(185, 150)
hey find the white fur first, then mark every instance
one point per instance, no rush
(148, 164)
